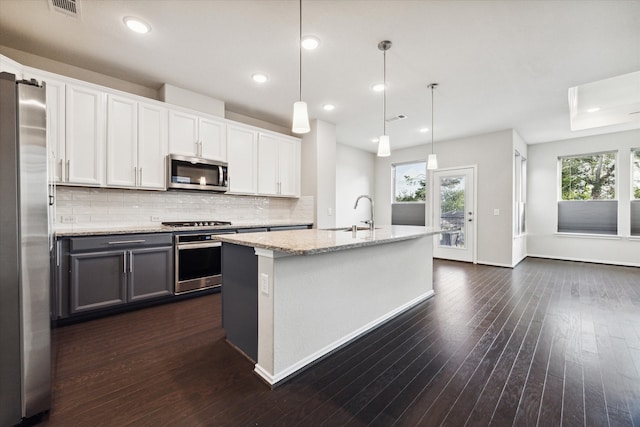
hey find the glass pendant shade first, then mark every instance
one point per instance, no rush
(384, 148)
(300, 118)
(432, 162)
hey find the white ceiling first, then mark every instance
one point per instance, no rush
(500, 64)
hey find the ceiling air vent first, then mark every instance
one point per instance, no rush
(68, 7)
(398, 117)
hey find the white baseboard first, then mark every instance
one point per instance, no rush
(278, 377)
(595, 261)
(494, 264)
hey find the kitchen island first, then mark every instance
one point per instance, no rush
(292, 297)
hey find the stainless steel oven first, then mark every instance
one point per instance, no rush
(198, 261)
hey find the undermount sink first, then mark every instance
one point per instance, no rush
(359, 228)
(348, 228)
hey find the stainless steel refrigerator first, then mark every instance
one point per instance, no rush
(25, 332)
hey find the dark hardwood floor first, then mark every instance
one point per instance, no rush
(547, 343)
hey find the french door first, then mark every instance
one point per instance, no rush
(454, 212)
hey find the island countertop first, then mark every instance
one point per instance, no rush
(315, 241)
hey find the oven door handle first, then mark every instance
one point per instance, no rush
(184, 246)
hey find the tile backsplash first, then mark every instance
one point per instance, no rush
(81, 208)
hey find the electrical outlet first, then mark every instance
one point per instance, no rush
(330, 211)
(496, 212)
(264, 283)
(68, 219)
(156, 218)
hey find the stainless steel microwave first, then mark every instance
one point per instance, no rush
(195, 173)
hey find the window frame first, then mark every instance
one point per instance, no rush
(594, 202)
(597, 153)
(394, 178)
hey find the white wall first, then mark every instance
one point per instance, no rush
(355, 175)
(189, 99)
(318, 171)
(493, 155)
(543, 241)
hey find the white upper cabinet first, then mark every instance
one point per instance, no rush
(192, 135)
(268, 180)
(278, 166)
(85, 136)
(242, 156)
(289, 167)
(11, 66)
(136, 144)
(55, 122)
(213, 141)
(153, 146)
(122, 142)
(183, 134)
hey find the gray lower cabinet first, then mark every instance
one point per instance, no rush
(109, 271)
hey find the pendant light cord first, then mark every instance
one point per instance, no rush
(384, 92)
(432, 87)
(300, 53)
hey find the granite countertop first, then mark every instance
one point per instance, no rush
(313, 241)
(101, 231)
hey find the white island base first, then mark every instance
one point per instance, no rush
(311, 304)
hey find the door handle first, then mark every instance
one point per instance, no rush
(124, 262)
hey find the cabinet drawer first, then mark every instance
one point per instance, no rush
(118, 241)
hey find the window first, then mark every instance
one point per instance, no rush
(409, 193)
(520, 195)
(409, 182)
(635, 188)
(588, 194)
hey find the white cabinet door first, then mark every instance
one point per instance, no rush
(122, 142)
(183, 134)
(55, 122)
(289, 167)
(212, 139)
(153, 146)
(268, 183)
(242, 150)
(85, 135)
(10, 66)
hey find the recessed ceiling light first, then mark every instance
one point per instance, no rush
(379, 87)
(310, 42)
(259, 77)
(593, 110)
(137, 25)
(424, 130)
(328, 107)
(375, 140)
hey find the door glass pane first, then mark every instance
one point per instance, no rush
(452, 209)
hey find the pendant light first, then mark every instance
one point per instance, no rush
(384, 146)
(432, 162)
(300, 115)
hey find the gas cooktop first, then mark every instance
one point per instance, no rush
(195, 223)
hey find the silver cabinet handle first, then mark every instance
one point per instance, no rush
(126, 242)
(58, 249)
(68, 169)
(130, 262)
(60, 176)
(140, 180)
(135, 175)
(124, 262)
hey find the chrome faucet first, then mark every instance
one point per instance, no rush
(370, 222)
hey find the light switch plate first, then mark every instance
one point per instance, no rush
(496, 212)
(156, 218)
